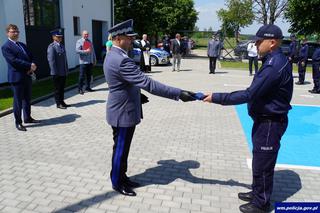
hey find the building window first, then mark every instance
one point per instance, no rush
(41, 13)
(76, 25)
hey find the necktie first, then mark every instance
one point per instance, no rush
(21, 48)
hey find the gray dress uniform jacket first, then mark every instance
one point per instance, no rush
(125, 79)
(214, 48)
(57, 59)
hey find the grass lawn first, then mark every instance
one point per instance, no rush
(201, 43)
(245, 66)
(42, 88)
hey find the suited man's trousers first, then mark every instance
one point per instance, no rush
(21, 99)
(122, 137)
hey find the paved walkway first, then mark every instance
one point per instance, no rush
(190, 157)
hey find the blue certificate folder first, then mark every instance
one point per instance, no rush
(199, 96)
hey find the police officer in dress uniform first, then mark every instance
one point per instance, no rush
(292, 49)
(302, 63)
(57, 60)
(125, 79)
(316, 70)
(268, 99)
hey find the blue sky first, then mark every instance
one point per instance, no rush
(208, 17)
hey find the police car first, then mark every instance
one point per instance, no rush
(157, 56)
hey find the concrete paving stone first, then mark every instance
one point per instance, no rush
(94, 210)
(80, 161)
(9, 202)
(160, 209)
(9, 209)
(171, 204)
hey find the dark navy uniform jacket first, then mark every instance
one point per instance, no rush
(292, 49)
(125, 79)
(303, 53)
(316, 55)
(19, 61)
(270, 92)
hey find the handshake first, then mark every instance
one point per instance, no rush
(186, 96)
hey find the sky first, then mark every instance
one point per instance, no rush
(207, 17)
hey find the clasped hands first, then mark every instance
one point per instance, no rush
(32, 68)
(186, 96)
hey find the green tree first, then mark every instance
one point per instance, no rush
(154, 16)
(238, 14)
(267, 11)
(304, 16)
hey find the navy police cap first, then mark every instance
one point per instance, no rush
(56, 32)
(269, 31)
(123, 28)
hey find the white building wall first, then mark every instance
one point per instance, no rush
(11, 12)
(86, 10)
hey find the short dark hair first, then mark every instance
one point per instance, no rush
(11, 26)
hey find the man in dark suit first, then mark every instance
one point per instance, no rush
(145, 48)
(125, 79)
(57, 60)
(20, 68)
(176, 52)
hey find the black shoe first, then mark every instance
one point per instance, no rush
(299, 83)
(60, 106)
(80, 91)
(245, 196)
(89, 90)
(31, 121)
(314, 91)
(65, 105)
(125, 190)
(20, 127)
(132, 184)
(251, 208)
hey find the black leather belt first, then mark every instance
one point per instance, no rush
(274, 118)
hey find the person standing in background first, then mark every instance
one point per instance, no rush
(176, 52)
(316, 70)
(57, 59)
(20, 68)
(109, 43)
(87, 59)
(213, 52)
(145, 48)
(253, 57)
(303, 60)
(292, 49)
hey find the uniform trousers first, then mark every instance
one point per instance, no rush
(266, 136)
(316, 75)
(122, 137)
(302, 70)
(59, 84)
(85, 72)
(212, 64)
(21, 99)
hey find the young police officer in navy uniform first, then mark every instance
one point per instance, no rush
(292, 49)
(268, 99)
(125, 79)
(302, 63)
(316, 70)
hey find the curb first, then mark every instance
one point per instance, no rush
(37, 100)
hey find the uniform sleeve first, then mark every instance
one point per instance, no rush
(131, 73)
(264, 82)
(51, 59)
(16, 62)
